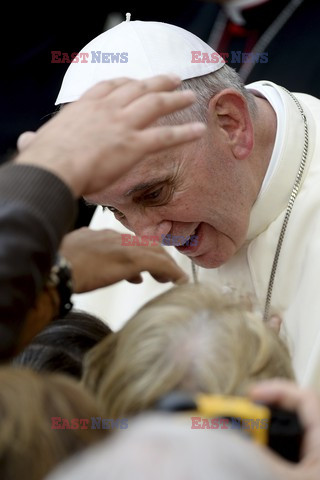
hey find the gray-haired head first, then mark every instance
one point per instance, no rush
(160, 447)
(205, 87)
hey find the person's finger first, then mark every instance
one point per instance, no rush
(161, 266)
(149, 108)
(275, 323)
(290, 396)
(135, 279)
(146, 142)
(182, 280)
(305, 403)
(24, 140)
(105, 88)
(157, 138)
(282, 392)
(126, 94)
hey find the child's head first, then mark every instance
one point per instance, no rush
(61, 345)
(30, 443)
(191, 338)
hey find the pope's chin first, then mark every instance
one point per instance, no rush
(210, 260)
(213, 257)
(213, 248)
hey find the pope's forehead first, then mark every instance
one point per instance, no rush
(155, 167)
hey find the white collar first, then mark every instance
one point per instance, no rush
(276, 101)
(274, 198)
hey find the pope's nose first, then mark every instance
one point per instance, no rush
(158, 230)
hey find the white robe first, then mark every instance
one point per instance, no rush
(296, 292)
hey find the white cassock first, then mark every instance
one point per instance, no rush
(296, 291)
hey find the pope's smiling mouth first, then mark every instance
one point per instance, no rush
(187, 242)
(191, 243)
(180, 240)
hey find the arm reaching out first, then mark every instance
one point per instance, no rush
(87, 145)
(98, 259)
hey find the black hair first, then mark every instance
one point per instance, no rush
(61, 345)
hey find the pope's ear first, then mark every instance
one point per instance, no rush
(230, 113)
(24, 140)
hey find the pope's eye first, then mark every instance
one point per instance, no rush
(153, 195)
(115, 211)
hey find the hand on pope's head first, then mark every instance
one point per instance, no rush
(306, 403)
(98, 259)
(90, 143)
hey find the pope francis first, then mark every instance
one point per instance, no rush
(248, 189)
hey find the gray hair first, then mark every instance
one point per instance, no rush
(161, 447)
(206, 87)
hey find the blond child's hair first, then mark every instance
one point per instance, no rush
(191, 338)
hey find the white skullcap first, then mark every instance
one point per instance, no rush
(152, 48)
